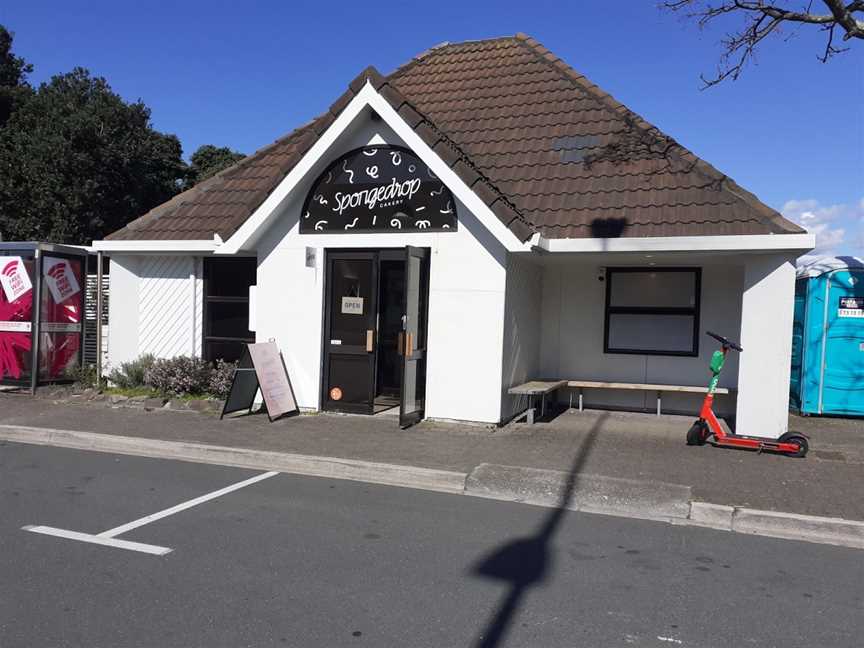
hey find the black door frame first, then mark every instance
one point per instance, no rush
(377, 255)
(411, 355)
(327, 348)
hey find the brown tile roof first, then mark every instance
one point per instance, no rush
(546, 149)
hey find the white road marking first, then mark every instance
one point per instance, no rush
(670, 639)
(108, 539)
(95, 539)
(120, 530)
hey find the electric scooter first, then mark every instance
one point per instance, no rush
(791, 443)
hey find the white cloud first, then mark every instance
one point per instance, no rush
(839, 228)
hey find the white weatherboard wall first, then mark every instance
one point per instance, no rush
(766, 336)
(156, 307)
(466, 300)
(522, 330)
(123, 310)
(572, 327)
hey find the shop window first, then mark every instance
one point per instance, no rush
(226, 307)
(652, 311)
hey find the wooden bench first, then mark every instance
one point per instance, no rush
(532, 390)
(581, 385)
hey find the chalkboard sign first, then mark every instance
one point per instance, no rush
(261, 367)
(378, 189)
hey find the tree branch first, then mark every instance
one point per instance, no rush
(761, 19)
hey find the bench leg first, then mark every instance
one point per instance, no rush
(580, 399)
(658, 403)
(531, 410)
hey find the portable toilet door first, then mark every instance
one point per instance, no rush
(796, 379)
(842, 383)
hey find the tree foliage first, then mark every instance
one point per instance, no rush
(13, 77)
(77, 162)
(208, 160)
(759, 20)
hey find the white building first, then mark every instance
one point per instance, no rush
(481, 217)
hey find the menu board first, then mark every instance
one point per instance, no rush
(261, 367)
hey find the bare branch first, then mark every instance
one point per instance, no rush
(762, 19)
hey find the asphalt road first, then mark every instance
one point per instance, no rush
(299, 561)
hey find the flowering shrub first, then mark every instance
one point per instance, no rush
(179, 376)
(221, 377)
(131, 374)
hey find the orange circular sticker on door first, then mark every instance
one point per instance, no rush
(335, 394)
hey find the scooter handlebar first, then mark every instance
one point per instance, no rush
(725, 341)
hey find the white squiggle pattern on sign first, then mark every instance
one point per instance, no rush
(437, 193)
(372, 172)
(395, 158)
(431, 175)
(445, 227)
(422, 224)
(370, 152)
(411, 168)
(348, 171)
(319, 226)
(351, 224)
(374, 219)
(306, 215)
(421, 208)
(320, 199)
(448, 210)
(329, 177)
(396, 223)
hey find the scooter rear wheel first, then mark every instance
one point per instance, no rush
(697, 434)
(797, 439)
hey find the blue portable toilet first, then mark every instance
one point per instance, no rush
(828, 337)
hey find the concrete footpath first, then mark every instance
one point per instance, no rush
(625, 464)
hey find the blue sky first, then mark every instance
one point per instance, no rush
(241, 74)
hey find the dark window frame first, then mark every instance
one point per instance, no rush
(692, 311)
(207, 299)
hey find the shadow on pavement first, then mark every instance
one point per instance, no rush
(525, 562)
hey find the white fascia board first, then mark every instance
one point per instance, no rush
(154, 247)
(738, 243)
(368, 96)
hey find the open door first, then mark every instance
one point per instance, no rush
(412, 343)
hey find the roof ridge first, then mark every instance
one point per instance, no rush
(423, 56)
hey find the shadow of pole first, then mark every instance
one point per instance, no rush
(525, 562)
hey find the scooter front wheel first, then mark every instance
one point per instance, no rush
(798, 440)
(698, 433)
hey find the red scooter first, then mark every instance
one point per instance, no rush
(791, 443)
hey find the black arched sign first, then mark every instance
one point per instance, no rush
(378, 189)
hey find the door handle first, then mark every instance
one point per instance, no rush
(409, 345)
(370, 337)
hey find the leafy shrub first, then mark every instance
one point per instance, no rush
(220, 378)
(132, 374)
(84, 375)
(179, 376)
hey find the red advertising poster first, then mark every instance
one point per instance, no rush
(16, 308)
(62, 316)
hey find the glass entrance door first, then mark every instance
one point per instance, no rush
(350, 332)
(413, 343)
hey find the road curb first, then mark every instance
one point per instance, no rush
(590, 493)
(792, 526)
(444, 481)
(586, 492)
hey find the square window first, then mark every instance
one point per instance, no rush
(652, 311)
